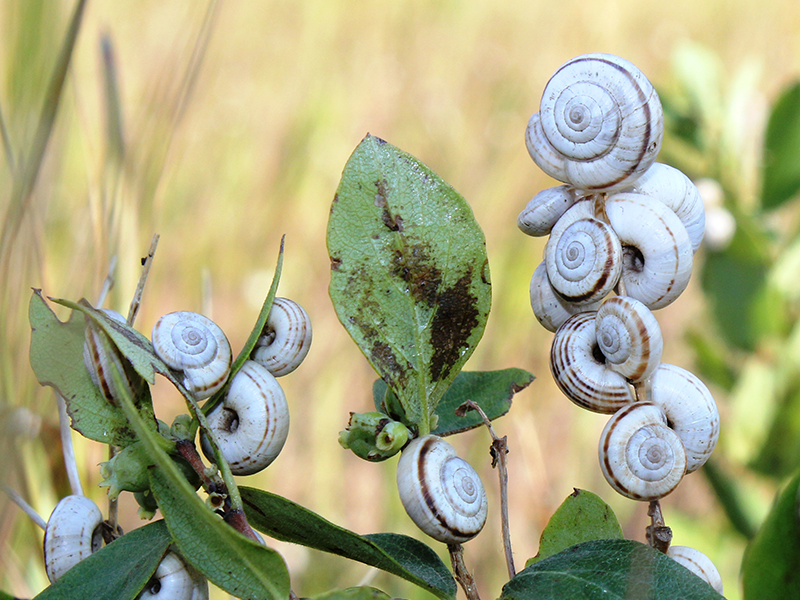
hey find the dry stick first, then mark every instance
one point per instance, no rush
(70, 462)
(658, 534)
(26, 508)
(499, 450)
(137, 297)
(462, 574)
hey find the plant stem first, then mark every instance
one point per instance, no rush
(658, 534)
(462, 574)
(67, 448)
(26, 508)
(137, 296)
(498, 450)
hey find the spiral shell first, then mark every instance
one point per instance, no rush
(640, 456)
(600, 124)
(286, 338)
(548, 307)
(584, 261)
(545, 209)
(690, 410)
(100, 356)
(195, 345)
(252, 423)
(441, 492)
(657, 261)
(72, 534)
(673, 188)
(579, 369)
(629, 337)
(698, 563)
(175, 580)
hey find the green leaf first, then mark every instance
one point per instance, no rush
(409, 273)
(4, 596)
(582, 517)
(400, 555)
(353, 593)
(57, 360)
(491, 390)
(238, 565)
(769, 568)
(608, 570)
(117, 572)
(781, 176)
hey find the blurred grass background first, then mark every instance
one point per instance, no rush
(223, 126)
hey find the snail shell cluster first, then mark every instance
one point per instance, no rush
(73, 533)
(441, 492)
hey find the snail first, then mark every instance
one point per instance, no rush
(640, 456)
(73, 533)
(286, 338)
(657, 252)
(629, 337)
(175, 580)
(698, 563)
(196, 346)
(252, 422)
(599, 126)
(690, 410)
(100, 355)
(545, 209)
(580, 369)
(550, 309)
(441, 492)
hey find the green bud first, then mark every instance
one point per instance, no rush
(373, 436)
(126, 471)
(147, 504)
(182, 428)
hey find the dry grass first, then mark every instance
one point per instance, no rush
(235, 124)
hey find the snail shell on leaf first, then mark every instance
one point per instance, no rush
(640, 456)
(698, 563)
(441, 492)
(545, 209)
(599, 126)
(175, 580)
(286, 338)
(73, 533)
(195, 345)
(550, 309)
(580, 370)
(690, 410)
(629, 337)
(252, 422)
(657, 252)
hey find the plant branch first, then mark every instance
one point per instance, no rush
(70, 463)
(658, 534)
(26, 508)
(461, 573)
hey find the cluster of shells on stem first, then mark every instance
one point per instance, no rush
(623, 232)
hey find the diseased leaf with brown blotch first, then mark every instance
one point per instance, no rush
(409, 272)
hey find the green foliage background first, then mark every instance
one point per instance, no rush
(224, 126)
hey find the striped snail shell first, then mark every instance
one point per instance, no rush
(175, 580)
(670, 186)
(657, 252)
(252, 422)
(599, 126)
(286, 338)
(640, 456)
(195, 345)
(99, 358)
(545, 209)
(549, 308)
(580, 371)
(73, 533)
(698, 563)
(690, 410)
(441, 492)
(629, 337)
(583, 260)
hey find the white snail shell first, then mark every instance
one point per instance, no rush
(545, 209)
(286, 339)
(99, 359)
(584, 261)
(580, 372)
(629, 337)
(252, 422)
(72, 534)
(670, 186)
(549, 308)
(195, 345)
(698, 563)
(657, 262)
(441, 492)
(174, 580)
(640, 456)
(690, 410)
(600, 124)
